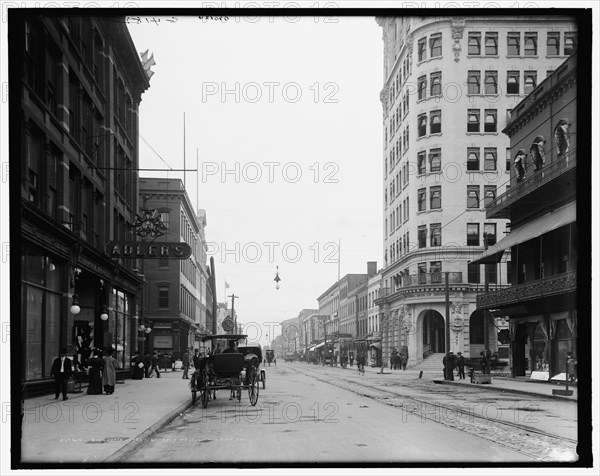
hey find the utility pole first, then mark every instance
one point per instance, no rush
(447, 289)
(233, 296)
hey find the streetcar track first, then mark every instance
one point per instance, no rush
(558, 442)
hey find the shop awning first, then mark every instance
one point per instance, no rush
(318, 346)
(535, 228)
(377, 345)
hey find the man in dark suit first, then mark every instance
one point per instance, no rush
(61, 371)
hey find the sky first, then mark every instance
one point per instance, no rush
(285, 119)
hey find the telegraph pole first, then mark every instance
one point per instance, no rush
(233, 296)
(447, 289)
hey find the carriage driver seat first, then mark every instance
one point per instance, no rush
(228, 365)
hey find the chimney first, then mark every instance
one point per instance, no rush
(371, 268)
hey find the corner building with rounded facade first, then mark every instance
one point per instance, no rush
(449, 86)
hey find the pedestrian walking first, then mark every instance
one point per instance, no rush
(61, 370)
(460, 363)
(155, 364)
(185, 361)
(95, 373)
(483, 361)
(404, 361)
(571, 363)
(138, 366)
(147, 364)
(109, 372)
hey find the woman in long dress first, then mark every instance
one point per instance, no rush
(109, 372)
(137, 370)
(95, 373)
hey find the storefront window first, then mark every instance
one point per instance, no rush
(41, 313)
(562, 345)
(539, 350)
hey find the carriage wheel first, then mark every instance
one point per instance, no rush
(253, 388)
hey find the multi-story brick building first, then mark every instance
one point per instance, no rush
(449, 86)
(174, 300)
(76, 85)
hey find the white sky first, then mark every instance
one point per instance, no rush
(307, 101)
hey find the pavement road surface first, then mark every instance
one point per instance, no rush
(329, 415)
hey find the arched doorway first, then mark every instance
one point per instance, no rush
(434, 340)
(477, 332)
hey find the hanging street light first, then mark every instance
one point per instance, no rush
(277, 278)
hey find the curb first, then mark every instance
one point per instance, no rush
(139, 440)
(506, 390)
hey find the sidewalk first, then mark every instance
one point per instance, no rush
(100, 428)
(499, 384)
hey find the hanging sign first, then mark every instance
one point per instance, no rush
(147, 250)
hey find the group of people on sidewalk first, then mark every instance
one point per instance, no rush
(451, 362)
(145, 366)
(101, 369)
(399, 360)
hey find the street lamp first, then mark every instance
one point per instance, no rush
(104, 314)
(75, 309)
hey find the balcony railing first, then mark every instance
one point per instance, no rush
(554, 285)
(454, 277)
(533, 181)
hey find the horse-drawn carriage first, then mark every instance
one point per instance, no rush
(227, 367)
(270, 356)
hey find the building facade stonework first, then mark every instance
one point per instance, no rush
(450, 85)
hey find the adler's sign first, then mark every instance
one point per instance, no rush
(147, 250)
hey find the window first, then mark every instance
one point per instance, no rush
(513, 43)
(472, 196)
(491, 44)
(422, 270)
(473, 273)
(421, 49)
(512, 82)
(436, 84)
(508, 159)
(489, 194)
(435, 160)
(435, 122)
(489, 161)
(422, 236)
(435, 198)
(473, 120)
(530, 81)
(422, 125)
(436, 234)
(421, 199)
(491, 120)
(489, 234)
(472, 158)
(491, 274)
(553, 43)
(491, 82)
(530, 44)
(163, 296)
(421, 162)
(474, 43)
(435, 45)
(474, 82)
(422, 87)
(435, 268)
(570, 43)
(472, 234)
